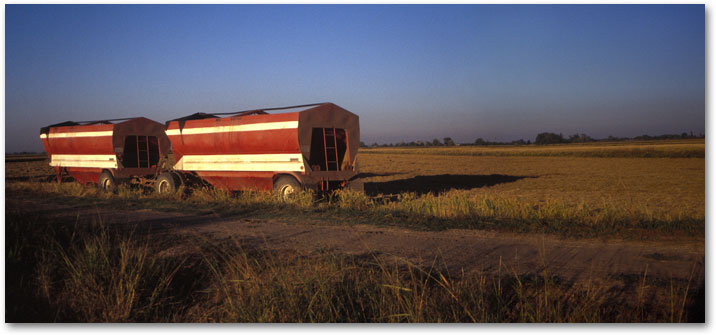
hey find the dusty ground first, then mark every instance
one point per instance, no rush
(575, 261)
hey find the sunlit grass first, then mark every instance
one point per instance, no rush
(428, 211)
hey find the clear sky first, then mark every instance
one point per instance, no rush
(499, 72)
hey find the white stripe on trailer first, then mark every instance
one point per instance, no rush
(235, 128)
(79, 134)
(244, 163)
(88, 161)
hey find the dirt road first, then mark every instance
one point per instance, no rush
(574, 261)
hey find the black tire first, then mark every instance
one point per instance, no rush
(167, 183)
(286, 186)
(106, 182)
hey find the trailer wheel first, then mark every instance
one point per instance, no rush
(106, 182)
(286, 186)
(166, 183)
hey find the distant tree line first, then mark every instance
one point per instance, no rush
(447, 141)
(541, 139)
(552, 138)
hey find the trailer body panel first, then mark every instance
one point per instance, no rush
(135, 147)
(250, 151)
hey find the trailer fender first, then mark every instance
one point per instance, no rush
(306, 181)
(300, 178)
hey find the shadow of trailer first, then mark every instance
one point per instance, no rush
(107, 152)
(315, 147)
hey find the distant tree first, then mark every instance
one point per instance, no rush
(580, 138)
(448, 141)
(362, 145)
(549, 138)
(436, 142)
(480, 141)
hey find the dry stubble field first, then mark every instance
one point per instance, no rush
(640, 204)
(667, 187)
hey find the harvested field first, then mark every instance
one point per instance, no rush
(437, 237)
(691, 148)
(665, 187)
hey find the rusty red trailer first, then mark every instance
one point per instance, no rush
(104, 152)
(315, 147)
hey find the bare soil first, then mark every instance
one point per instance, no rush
(574, 261)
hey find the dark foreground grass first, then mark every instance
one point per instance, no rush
(93, 272)
(425, 212)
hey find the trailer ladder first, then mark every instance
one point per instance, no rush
(329, 138)
(142, 152)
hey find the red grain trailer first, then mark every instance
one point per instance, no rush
(106, 153)
(254, 150)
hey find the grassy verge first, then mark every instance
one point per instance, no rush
(75, 272)
(426, 212)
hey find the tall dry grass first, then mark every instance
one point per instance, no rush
(83, 272)
(80, 272)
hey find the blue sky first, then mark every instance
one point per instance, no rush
(499, 72)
